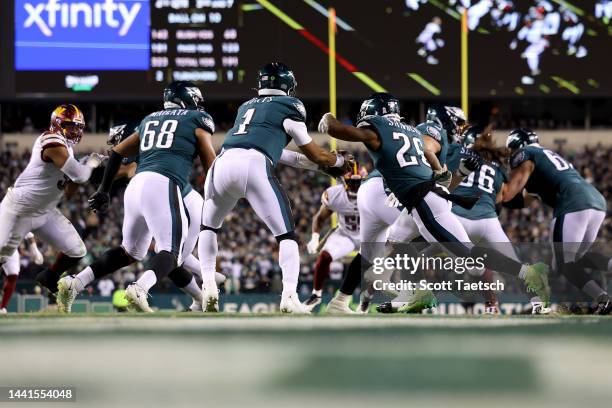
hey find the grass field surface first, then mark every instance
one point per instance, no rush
(184, 359)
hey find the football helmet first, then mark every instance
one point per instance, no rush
(68, 120)
(183, 94)
(379, 104)
(119, 132)
(276, 75)
(521, 137)
(470, 135)
(451, 118)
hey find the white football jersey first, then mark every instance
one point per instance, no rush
(336, 199)
(41, 185)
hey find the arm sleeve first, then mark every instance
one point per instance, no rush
(297, 131)
(77, 172)
(298, 160)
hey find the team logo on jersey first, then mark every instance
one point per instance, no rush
(433, 132)
(300, 108)
(518, 158)
(208, 122)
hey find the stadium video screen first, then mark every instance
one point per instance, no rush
(129, 49)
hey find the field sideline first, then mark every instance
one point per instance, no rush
(183, 359)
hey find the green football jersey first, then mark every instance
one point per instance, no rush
(259, 124)
(486, 183)
(168, 143)
(436, 132)
(400, 157)
(557, 183)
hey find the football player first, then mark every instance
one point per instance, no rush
(31, 204)
(166, 143)
(253, 146)
(397, 152)
(12, 266)
(578, 209)
(342, 240)
(182, 276)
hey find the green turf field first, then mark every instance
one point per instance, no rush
(252, 360)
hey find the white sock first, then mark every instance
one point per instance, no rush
(147, 280)
(193, 290)
(85, 277)
(523, 272)
(207, 252)
(192, 264)
(289, 261)
(317, 292)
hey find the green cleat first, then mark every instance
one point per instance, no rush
(423, 299)
(536, 280)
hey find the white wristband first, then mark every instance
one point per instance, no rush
(339, 161)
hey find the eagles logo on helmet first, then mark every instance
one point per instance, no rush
(68, 120)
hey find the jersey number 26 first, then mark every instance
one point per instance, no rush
(408, 160)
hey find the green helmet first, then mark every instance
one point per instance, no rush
(521, 137)
(276, 75)
(470, 135)
(183, 94)
(379, 104)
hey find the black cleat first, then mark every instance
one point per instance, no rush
(312, 302)
(604, 307)
(385, 307)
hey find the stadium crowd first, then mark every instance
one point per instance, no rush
(248, 252)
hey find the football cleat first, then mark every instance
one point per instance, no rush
(137, 297)
(210, 298)
(195, 307)
(386, 307)
(538, 308)
(291, 304)
(66, 293)
(3, 311)
(536, 280)
(604, 307)
(491, 308)
(336, 306)
(365, 299)
(312, 302)
(422, 300)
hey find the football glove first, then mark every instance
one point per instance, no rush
(468, 165)
(99, 201)
(443, 177)
(348, 161)
(392, 201)
(313, 244)
(324, 122)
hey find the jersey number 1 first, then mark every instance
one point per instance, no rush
(165, 135)
(248, 115)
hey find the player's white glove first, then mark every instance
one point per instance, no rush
(324, 122)
(313, 244)
(94, 160)
(468, 165)
(392, 201)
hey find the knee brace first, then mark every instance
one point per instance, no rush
(287, 235)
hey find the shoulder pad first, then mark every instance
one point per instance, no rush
(299, 107)
(51, 139)
(431, 130)
(206, 121)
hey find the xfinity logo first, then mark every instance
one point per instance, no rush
(58, 13)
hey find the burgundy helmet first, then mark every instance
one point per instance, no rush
(68, 120)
